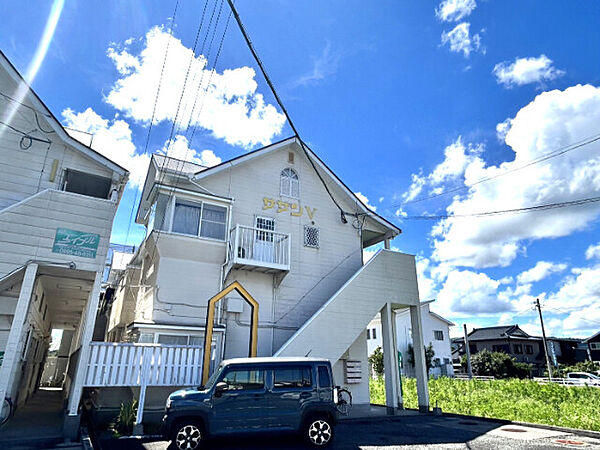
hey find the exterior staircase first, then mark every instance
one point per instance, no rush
(388, 277)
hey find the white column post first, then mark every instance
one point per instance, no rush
(389, 358)
(138, 427)
(13, 343)
(84, 349)
(419, 354)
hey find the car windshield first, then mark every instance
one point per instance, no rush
(595, 377)
(213, 378)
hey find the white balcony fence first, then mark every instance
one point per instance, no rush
(257, 247)
(123, 364)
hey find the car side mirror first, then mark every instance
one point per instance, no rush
(220, 388)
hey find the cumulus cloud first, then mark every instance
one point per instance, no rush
(593, 251)
(471, 293)
(526, 71)
(226, 104)
(365, 201)
(460, 39)
(111, 138)
(416, 186)
(454, 10)
(552, 120)
(540, 271)
(179, 148)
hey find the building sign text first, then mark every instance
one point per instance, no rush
(76, 243)
(295, 209)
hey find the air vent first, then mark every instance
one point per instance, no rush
(291, 157)
(311, 237)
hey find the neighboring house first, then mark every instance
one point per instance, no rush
(511, 339)
(436, 331)
(58, 199)
(593, 347)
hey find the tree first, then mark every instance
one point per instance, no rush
(376, 361)
(497, 364)
(429, 354)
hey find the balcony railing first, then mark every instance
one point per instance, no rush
(258, 249)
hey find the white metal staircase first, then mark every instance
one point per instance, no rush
(389, 277)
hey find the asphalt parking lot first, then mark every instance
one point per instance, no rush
(413, 432)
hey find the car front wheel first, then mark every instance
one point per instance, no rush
(319, 431)
(188, 435)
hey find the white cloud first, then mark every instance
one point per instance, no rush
(460, 39)
(112, 138)
(381, 199)
(324, 66)
(455, 10)
(540, 271)
(426, 283)
(554, 119)
(525, 71)
(179, 149)
(416, 186)
(231, 109)
(457, 157)
(365, 201)
(470, 293)
(593, 251)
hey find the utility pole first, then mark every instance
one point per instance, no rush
(539, 308)
(468, 352)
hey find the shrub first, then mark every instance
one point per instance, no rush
(497, 364)
(123, 424)
(583, 366)
(429, 354)
(376, 361)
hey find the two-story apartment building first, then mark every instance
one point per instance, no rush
(280, 223)
(58, 199)
(593, 347)
(436, 332)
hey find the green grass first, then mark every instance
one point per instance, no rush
(511, 399)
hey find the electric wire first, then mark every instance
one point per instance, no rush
(545, 207)
(557, 152)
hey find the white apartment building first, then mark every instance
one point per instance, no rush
(436, 331)
(58, 199)
(278, 222)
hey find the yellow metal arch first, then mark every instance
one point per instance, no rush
(210, 316)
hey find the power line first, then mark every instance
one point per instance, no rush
(579, 202)
(545, 157)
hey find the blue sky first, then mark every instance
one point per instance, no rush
(403, 100)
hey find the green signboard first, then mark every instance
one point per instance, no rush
(76, 243)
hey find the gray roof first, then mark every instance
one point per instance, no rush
(170, 164)
(500, 332)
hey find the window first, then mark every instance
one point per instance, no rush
(374, 333)
(86, 184)
(244, 380)
(368, 333)
(595, 345)
(199, 219)
(186, 217)
(324, 377)
(213, 221)
(529, 349)
(518, 349)
(289, 183)
(267, 224)
(500, 348)
(311, 237)
(172, 339)
(146, 338)
(294, 377)
(438, 335)
(473, 348)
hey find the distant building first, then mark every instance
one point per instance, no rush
(436, 331)
(511, 339)
(593, 347)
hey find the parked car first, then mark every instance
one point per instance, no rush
(249, 395)
(584, 378)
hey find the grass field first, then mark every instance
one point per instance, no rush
(512, 399)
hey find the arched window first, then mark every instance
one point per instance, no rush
(289, 183)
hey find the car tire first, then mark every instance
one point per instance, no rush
(318, 431)
(188, 434)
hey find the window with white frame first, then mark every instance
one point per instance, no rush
(289, 183)
(311, 237)
(595, 345)
(199, 219)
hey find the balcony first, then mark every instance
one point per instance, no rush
(259, 250)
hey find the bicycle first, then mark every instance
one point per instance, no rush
(6, 411)
(343, 400)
